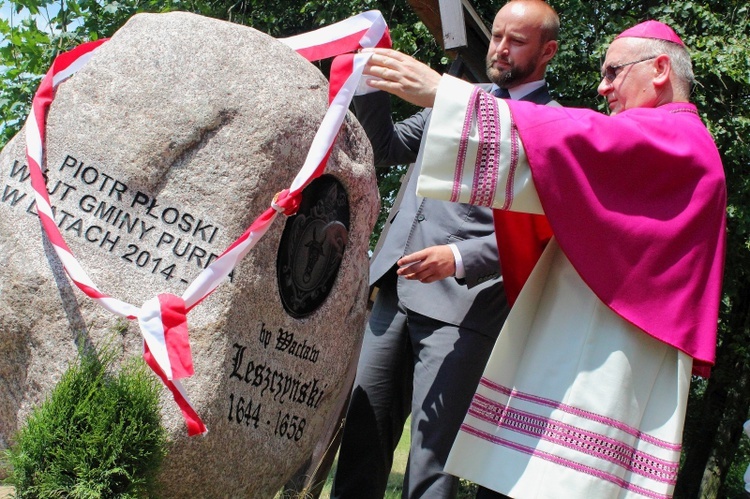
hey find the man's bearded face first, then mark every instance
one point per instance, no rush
(508, 72)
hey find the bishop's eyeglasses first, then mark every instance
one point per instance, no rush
(612, 70)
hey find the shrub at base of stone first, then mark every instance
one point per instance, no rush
(98, 434)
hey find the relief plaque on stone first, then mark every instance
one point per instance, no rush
(312, 246)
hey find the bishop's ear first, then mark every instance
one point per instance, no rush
(662, 69)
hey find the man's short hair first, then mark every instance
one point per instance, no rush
(550, 28)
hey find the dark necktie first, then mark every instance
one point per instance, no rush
(501, 93)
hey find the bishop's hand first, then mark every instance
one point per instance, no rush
(402, 76)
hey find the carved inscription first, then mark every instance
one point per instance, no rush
(155, 238)
(257, 384)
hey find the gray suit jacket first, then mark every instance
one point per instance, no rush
(477, 302)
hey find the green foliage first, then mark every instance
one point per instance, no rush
(97, 435)
(23, 58)
(735, 482)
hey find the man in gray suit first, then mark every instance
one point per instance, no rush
(441, 301)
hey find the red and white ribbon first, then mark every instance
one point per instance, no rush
(163, 319)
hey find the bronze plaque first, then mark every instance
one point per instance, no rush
(312, 245)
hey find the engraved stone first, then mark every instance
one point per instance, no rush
(160, 153)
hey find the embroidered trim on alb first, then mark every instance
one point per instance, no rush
(572, 437)
(512, 393)
(618, 481)
(486, 166)
(514, 155)
(463, 146)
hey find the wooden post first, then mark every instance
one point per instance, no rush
(454, 27)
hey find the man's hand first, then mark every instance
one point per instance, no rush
(402, 76)
(428, 265)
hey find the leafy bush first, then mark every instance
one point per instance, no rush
(98, 434)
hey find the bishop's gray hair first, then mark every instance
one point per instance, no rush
(679, 58)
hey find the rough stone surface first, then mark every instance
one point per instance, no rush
(182, 122)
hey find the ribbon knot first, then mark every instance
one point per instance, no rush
(286, 203)
(163, 322)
